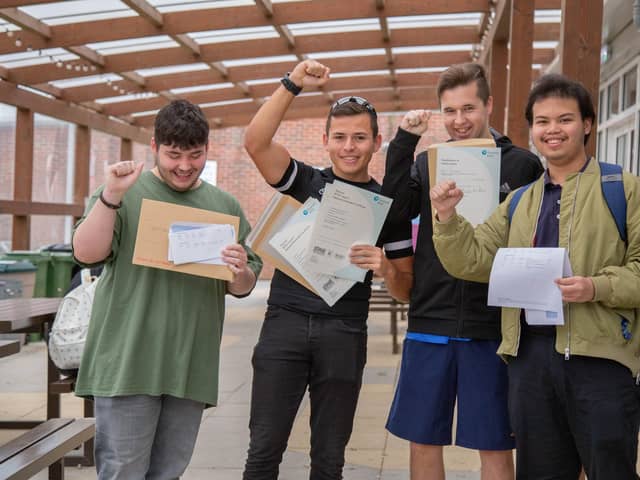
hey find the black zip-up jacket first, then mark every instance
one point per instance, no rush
(441, 304)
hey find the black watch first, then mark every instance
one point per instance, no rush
(289, 85)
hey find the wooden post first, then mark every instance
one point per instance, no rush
(126, 149)
(498, 80)
(519, 79)
(82, 164)
(580, 43)
(23, 177)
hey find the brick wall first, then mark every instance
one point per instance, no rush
(236, 173)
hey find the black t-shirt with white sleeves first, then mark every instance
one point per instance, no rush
(302, 181)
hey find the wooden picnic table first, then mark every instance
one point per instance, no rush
(31, 315)
(9, 347)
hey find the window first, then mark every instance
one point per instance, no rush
(629, 88)
(621, 149)
(601, 107)
(613, 93)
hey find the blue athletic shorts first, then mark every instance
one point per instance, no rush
(432, 376)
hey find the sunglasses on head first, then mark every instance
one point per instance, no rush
(353, 99)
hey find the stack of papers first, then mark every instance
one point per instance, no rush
(525, 278)
(191, 242)
(311, 242)
(474, 165)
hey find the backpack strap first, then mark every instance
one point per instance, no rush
(516, 198)
(613, 192)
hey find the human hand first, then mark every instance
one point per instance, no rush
(444, 198)
(576, 289)
(310, 73)
(119, 177)
(368, 257)
(235, 256)
(416, 121)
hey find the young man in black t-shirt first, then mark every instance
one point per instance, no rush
(304, 342)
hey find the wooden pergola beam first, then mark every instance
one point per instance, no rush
(231, 17)
(82, 162)
(519, 78)
(12, 95)
(20, 208)
(26, 22)
(146, 11)
(580, 43)
(23, 173)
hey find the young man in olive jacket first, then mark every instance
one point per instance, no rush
(449, 351)
(574, 397)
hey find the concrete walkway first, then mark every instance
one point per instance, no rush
(222, 443)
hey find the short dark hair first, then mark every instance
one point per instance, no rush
(463, 74)
(560, 86)
(181, 124)
(350, 108)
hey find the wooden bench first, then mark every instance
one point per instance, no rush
(9, 347)
(382, 301)
(44, 446)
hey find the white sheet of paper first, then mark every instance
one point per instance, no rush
(199, 243)
(292, 242)
(347, 216)
(524, 278)
(476, 171)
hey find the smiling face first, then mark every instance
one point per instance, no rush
(465, 114)
(558, 131)
(178, 168)
(351, 144)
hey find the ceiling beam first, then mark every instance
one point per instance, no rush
(26, 22)
(145, 10)
(230, 17)
(12, 95)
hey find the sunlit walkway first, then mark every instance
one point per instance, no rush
(222, 443)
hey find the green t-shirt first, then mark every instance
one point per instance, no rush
(155, 331)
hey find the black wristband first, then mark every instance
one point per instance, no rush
(112, 206)
(289, 85)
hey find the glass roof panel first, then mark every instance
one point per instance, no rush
(202, 88)
(226, 102)
(189, 67)
(426, 21)
(84, 81)
(234, 34)
(360, 74)
(547, 16)
(133, 45)
(260, 60)
(348, 53)
(125, 98)
(421, 70)
(36, 57)
(72, 11)
(178, 5)
(433, 48)
(334, 26)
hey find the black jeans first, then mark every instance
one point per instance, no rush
(294, 351)
(569, 413)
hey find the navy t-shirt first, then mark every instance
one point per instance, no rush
(302, 181)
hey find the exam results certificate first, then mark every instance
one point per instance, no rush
(476, 171)
(347, 216)
(292, 243)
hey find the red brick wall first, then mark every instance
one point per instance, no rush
(236, 173)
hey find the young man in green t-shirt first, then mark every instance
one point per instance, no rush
(152, 352)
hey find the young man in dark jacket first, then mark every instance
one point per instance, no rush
(449, 351)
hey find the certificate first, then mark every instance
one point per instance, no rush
(292, 243)
(476, 171)
(347, 216)
(525, 278)
(199, 242)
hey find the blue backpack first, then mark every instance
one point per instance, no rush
(612, 189)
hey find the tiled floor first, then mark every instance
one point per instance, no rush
(222, 443)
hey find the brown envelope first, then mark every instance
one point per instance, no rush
(152, 240)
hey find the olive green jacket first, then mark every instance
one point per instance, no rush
(589, 233)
